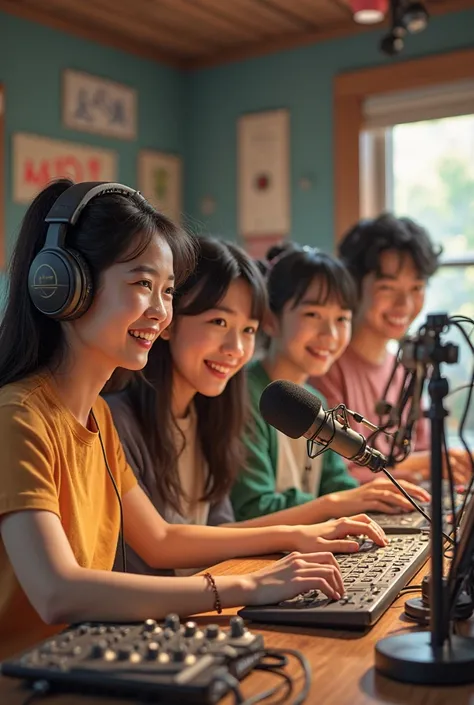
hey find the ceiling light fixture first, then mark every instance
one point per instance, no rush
(369, 11)
(415, 17)
(405, 16)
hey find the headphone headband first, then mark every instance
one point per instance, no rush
(70, 204)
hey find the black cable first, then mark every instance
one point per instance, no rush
(412, 501)
(302, 660)
(273, 660)
(462, 423)
(122, 539)
(410, 588)
(458, 389)
(454, 546)
(264, 695)
(40, 689)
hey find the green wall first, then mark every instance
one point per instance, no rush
(31, 60)
(195, 113)
(300, 80)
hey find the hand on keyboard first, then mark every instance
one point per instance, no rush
(419, 463)
(377, 496)
(337, 535)
(294, 574)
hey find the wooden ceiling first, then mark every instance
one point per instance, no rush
(197, 33)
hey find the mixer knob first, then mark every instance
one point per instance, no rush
(237, 627)
(212, 631)
(99, 648)
(172, 622)
(125, 652)
(101, 629)
(152, 651)
(149, 625)
(51, 647)
(190, 629)
(179, 653)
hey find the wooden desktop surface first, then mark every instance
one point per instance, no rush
(342, 662)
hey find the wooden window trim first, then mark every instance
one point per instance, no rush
(351, 90)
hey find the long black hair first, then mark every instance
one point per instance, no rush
(221, 419)
(291, 268)
(107, 231)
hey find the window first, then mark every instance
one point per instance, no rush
(425, 169)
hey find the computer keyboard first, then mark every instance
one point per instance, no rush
(372, 578)
(412, 522)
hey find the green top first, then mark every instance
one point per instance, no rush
(255, 491)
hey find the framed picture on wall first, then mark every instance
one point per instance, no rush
(264, 175)
(160, 181)
(38, 160)
(93, 104)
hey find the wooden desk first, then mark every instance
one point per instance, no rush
(342, 662)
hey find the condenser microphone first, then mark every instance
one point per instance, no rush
(297, 413)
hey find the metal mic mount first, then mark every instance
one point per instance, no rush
(435, 656)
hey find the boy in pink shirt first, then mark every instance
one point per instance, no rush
(391, 260)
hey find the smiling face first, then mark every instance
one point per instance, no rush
(211, 347)
(392, 299)
(132, 306)
(310, 336)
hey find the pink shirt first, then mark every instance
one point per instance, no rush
(359, 385)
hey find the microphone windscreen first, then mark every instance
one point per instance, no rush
(289, 408)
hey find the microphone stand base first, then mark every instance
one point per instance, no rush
(418, 610)
(410, 658)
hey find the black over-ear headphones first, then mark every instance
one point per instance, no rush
(59, 280)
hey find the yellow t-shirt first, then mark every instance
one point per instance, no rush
(49, 461)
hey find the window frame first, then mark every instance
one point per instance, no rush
(376, 183)
(351, 90)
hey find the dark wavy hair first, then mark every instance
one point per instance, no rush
(291, 268)
(111, 228)
(220, 420)
(362, 246)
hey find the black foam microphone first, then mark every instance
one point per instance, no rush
(296, 412)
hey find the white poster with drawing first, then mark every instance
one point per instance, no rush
(264, 174)
(93, 104)
(159, 180)
(39, 160)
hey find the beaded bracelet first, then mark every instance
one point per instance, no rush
(213, 586)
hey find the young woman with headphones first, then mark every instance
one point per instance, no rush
(91, 288)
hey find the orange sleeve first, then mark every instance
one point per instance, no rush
(27, 478)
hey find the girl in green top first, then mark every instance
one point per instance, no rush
(311, 298)
(182, 421)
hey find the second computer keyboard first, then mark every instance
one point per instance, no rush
(411, 522)
(372, 578)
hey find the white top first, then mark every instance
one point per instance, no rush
(192, 470)
(295, 468)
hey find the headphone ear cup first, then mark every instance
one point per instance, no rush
(82, 298)
(60, 284)
(51, 282)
